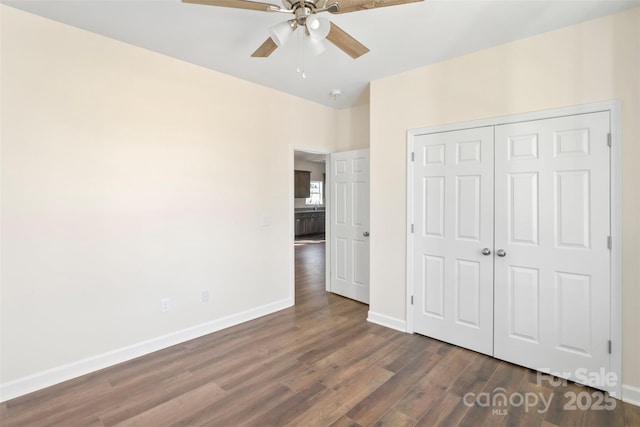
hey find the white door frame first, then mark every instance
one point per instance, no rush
(614, 108)
(327, 225)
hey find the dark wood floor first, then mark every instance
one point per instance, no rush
(319, 363)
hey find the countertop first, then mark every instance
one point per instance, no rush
(309, 210)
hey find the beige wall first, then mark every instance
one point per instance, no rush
(353, 125)
(129, 176)
(590, 62)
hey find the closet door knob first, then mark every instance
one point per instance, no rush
(486, 252)
(501, 253)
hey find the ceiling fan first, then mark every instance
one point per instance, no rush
(315, 27)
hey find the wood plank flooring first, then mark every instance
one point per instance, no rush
(319, 363)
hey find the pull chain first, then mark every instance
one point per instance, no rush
(298, 70)
(300, 48)
(302, 36)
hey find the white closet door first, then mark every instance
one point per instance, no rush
(453, 220)
(552, 286)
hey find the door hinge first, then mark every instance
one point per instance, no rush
(609, 346)
(412, 304)
(411, 228)
(413, 156)
(609, 139)
(609, 242)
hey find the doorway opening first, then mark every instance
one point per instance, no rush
(333, 201)
(309, 223)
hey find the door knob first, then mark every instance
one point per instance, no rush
(365, 234)
(501, 253)
(486, 252)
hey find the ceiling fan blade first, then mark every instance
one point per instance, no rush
(345, 42)
(265, 49)
(237, 4)
(356, 5)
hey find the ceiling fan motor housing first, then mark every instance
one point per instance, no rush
(292, 5)
(302, 13)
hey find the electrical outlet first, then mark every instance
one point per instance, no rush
(165, 304)
(205, 296)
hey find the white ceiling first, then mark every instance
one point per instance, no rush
(309, 157)
(400, 37)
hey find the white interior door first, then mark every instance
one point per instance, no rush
(552, 285)
(453, 224)
(349, 227)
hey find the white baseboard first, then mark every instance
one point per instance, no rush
(62, 373)
(389, 322)
(631, 394)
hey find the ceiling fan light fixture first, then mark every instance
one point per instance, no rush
(313, 23)
(318, 27)
(316, 47)
(281, 32)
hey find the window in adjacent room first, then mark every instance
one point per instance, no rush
(316, 193)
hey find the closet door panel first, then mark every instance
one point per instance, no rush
(453, 219)
(552, 286)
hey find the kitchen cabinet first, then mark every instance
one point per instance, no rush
(300, 225)
(302, 188)
(309, 223)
